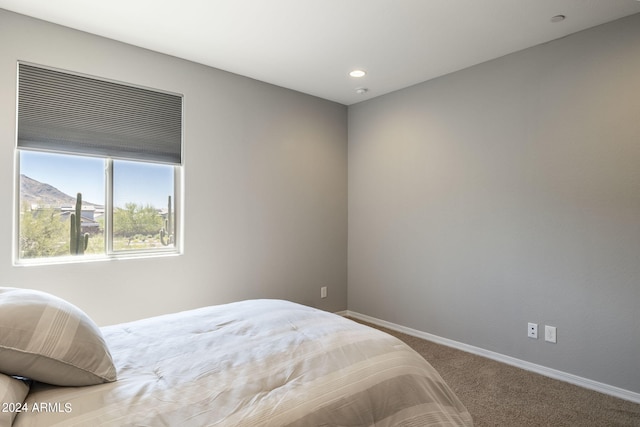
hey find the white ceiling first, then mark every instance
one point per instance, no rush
(311, 45)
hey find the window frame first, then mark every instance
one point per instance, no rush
(109, 253)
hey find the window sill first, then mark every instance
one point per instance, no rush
(81, 259)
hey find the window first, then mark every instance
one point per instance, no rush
(114, 147)
(143, 214)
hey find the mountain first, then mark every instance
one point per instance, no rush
(32, 191)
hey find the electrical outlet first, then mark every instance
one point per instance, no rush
(550, 334)
(323, 292)
(532, 330)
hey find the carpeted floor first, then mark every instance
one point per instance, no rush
(497, 394)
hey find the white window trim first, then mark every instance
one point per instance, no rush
(109, 254)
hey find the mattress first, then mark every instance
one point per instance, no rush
(252, 363)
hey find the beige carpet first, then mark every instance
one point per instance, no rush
(501, 395)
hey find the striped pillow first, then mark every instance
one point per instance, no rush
(47, 339)
(12, 394)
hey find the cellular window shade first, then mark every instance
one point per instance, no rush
(74, 114)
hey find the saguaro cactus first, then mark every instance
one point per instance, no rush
(77, 241)
(167, 236)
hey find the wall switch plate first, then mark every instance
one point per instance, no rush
(550, 334)
(532, 330)
(323, 292)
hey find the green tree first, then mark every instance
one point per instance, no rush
(136, 219)
(42, 233)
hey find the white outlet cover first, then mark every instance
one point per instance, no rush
(550, 334)
(532, 330)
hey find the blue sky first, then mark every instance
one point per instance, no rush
(142, 183)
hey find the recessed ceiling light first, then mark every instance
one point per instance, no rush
(558, 18)
(358, 73)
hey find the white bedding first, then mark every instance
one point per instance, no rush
(253, 363)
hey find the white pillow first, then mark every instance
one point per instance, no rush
(12, 394)
(47, 339)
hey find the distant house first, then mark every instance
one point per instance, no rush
(88, 217)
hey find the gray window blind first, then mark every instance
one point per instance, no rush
(74, 114)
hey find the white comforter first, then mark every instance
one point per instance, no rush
(253, 363)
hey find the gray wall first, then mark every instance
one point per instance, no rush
(509, 193)
(265, 186)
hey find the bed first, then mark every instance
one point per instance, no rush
(249, 363)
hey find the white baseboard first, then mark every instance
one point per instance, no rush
(539, 369)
